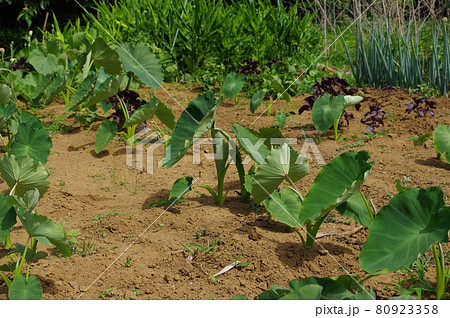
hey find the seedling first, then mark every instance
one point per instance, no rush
(107, 293)
(107, 214)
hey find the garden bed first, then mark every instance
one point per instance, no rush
(129, 247)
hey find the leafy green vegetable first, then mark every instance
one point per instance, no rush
(180, 187)
(326, 110)
(38, 226)
(7, 217)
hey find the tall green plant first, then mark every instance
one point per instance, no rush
(399, 58)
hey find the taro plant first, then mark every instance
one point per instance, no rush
(335, 187)
(274, 161)
(328, 102)
(328, 110)
(22, 168)
(232, 85)
(413, 221)
(129, 113)
(195, 121)
(441, 141)
(317, 288)
(274, 90)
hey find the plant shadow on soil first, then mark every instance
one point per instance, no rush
(433, 162)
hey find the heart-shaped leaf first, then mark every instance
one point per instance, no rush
(194, 122)
(441, 138)
(142, 114)
(285, 206)
(24, 174)
(29, 200)
(32, 140)
(105, 87)
(335, 184)
(282, 163)
(143, 63)
(252, 143)
(256, 100)
(43, 63)
(412, 221)
(104, 56)
(5, 94)
(326, 111)
(233, 85)
(21, 289)
(355, 208)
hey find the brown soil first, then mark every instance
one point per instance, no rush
(130, 246)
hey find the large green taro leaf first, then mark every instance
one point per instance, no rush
(105, 134)
(335, 184)
(43, 63)
(104, 56)
(40, 226)
(7, 217)
(233, 85)
(281, 163)
(105, 87)
(285, 206)
(355, 208)
(251, 142)
(143, 63)
(154, 107)
(257, 99)
(32, 140)
(412, 221)
(194, 122)
(21, 289)
(326, 111)
(83, 92)
(441, 139)
(5, 94)
(24, 174)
